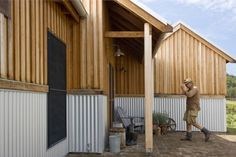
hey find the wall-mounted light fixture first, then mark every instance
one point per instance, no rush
(118, 52)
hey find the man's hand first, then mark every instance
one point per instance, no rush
(184, 88)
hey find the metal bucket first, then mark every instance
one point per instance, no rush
(121, 132)
(114, 141)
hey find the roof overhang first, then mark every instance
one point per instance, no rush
(146, 14)
(130, 15)
(75, 8)
(79, 7)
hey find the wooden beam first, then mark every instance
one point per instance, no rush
(124, 34)
(149, 88)
(85, 91)
(17, 85)
(71, 9)
(139, 41)
(158, 43)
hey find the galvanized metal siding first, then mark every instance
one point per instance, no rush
(212, 114)
(132, 105)
(87, 123)
(174, 107)
(23, 126)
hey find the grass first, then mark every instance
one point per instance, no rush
(231, 117)
(231, 131)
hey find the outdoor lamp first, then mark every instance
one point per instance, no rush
(118, 52)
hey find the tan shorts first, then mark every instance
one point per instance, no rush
(190, 116)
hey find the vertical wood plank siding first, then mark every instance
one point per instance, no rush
(3, 46)
(84, 41)
(182, 55)
(179, 56)
(26, 57)
(92, 47)
(129, 75)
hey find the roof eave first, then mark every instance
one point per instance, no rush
(146, 16)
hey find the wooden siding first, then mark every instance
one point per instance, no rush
(25, 59)
(92, 44)
(86, 58)
(129, 75)
(180, 56)
(3, 46)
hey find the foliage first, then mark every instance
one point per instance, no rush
(160, 118)
(231, 86)
(231, 114)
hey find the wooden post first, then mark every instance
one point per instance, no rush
(148, 83)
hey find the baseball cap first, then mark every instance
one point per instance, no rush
(188, 80)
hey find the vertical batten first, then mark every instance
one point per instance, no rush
(83, 50)
(100, 43)
(41, 42)
(88, 45)
(3, 48)
(33, 40)
(75, 57)
(28, 45)
(37, 41)
(11, 54)
(95, 44)
(45, 27)
(17, 39)
(22, 40)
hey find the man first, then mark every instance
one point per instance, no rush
(192, 109)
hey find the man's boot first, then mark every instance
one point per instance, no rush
(188, 137)
(206, 133)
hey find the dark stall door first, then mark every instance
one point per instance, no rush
(56, 120)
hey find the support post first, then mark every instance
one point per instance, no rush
(148, 83)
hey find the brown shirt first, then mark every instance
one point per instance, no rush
(193, 99)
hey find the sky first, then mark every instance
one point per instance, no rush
(215, 20)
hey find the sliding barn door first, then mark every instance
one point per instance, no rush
(56, 119)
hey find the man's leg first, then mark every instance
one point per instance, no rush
(204, 130)
(188, 136)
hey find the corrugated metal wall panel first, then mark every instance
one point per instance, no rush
(174, 107)
(87, 123)
(23, 126)
(132, 105)
(212, 114)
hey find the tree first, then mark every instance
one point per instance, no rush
(231, 86)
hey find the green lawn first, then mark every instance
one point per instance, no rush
(231, 117)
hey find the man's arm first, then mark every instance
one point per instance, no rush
(191, 93)
(184, 88)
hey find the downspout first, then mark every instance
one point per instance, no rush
(79, 7)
